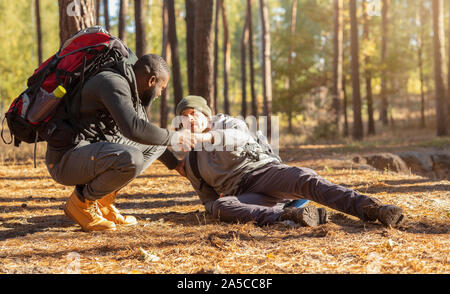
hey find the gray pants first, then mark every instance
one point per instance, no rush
(103, 167)
(263, 197)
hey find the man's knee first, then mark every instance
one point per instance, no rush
(219, 207)
(129, 162)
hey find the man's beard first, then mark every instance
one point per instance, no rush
(148, 97)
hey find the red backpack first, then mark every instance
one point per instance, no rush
(82, 56)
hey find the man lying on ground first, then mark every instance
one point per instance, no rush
(246, 182)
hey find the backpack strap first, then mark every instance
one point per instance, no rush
(193, 162)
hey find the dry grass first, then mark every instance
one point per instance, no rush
(36, 237)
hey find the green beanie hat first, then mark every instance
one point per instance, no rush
(196, 102)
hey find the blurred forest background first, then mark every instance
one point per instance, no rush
(327, 68)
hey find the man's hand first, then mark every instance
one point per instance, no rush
(181, 168)
(183, 140)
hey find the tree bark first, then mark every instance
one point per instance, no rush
(344, 91)
(216, 51)
(244, 42)
(38, 30)
(165, 54)
(190, 42)
(139, 16)
(97, 12)
(123, 20)
(337, 62)
(203, 58)
(384, 41)
(368, 72)
(226, 58)
(173, 40)
(421, 21)
(439, 68)
(291, 52)
(254, 101)
(266, 66)
(357, 119)
(106, 14)
(74, 17)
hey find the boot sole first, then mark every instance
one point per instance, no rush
(393, 216)
(69, 215)
(310, 216)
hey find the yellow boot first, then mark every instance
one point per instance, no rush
(111, 213)
(87, 214)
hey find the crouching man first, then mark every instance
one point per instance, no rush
(250, 183)
(115, 142)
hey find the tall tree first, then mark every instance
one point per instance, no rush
(173, 40)
(139, 16)
(216, 51)
(338, 40)
(368, 70)
(165, 54)
(439, 68)
(357, 119)
(384, 42)
(254, 101)
(345, 99)
(420, 40)
(190, 41)
(266, 64)
(123, 10)
(38, 30)
(226, 58)
(244, 42)
(97, 12)
(74, 16)
(289, 61)
(203, 58)
(106, 14)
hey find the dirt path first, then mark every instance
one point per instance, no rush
(175, 235)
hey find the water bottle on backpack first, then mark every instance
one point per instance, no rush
(44, 104)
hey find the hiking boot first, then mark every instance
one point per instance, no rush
(307, 216)
(323, 215)
(388, 215)
(111, 213)
(87, 214)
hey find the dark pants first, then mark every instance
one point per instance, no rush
(103, 167)
(263, 196)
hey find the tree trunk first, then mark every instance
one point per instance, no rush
(244, 42)
(226, 59)
(38, 31)
(250, 57)
(139, 16)
(173, 40)
(190, 41)
(165, 54)
(421, 21)
(439, 68)
(123, 20)
(368, 72)
(384, 40)
(97, 12)
(337, 62)
(106, 14)
(357, 120)
(74, 17)
(266, 65)
(203, 58)
(291, 40)
(216, 51)
(344, 91)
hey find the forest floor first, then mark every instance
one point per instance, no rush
(175, 235)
